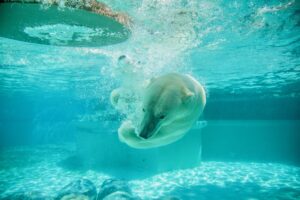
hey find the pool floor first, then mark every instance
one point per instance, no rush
(39, 168)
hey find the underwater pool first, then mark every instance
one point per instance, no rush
(60, 61)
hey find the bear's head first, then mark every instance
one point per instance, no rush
(162, 105)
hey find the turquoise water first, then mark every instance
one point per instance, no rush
(57, 124)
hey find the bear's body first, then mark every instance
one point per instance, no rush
(172, 103)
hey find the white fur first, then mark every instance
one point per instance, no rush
(179, 98)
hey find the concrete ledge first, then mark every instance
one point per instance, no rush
(89, 5)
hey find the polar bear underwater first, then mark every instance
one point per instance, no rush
(171, 104)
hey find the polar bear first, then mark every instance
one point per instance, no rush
(171, 104)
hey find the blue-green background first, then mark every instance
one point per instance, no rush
(252, 81)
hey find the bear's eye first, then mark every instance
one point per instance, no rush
(162, 117)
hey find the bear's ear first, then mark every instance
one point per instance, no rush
(187, 95)
(148, 82)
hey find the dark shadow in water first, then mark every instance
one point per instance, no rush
(77, 163)
(236, 191)
(73, 163)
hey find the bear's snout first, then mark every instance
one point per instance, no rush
(148, 127)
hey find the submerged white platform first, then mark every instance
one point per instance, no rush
(99, 146)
